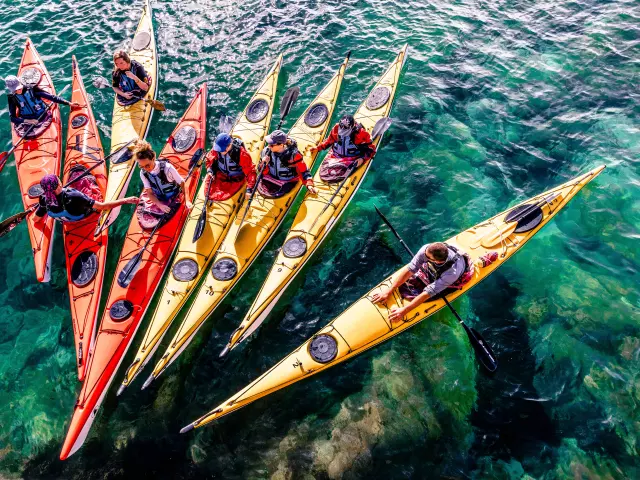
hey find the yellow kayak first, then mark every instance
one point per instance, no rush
(365, 324)
(191, 260)
(314, 221)
(131, 122)
(235, 255)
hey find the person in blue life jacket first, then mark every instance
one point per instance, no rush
(27, 104)
(67, 204)
(129, 79)
(163, 187)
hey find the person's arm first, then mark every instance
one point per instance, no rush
(405, 275)
(13, 112)
(365, 144)
(304, 173)
(247, 168)
(175, 177)
(114, 203)
(140, 77)
(41, 211)
(330, 140)
(398, 313)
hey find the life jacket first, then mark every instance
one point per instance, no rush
(346, 147)
(30, 106)
(127, 84)
(429, 272)
(162, 188)
(280, 166)
(64, 215)
(230, 164)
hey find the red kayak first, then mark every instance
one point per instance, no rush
(128, 302)
(84, 254)
(38, 155)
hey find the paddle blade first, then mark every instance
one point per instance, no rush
(288, 100)
(226, 124)
(4, 156)
(483, 351)
(156, 105)
(130, 269)
(380, 127)
(101, 82)
(12, 222)
(197, 155)
(202, 220)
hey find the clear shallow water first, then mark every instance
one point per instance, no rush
(499, 101)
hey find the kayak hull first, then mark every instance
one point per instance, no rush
(241, 248)
(176, 291)
(126, 306)
(365, 324)
(36, 158)
(84, 151)
(313, 222)
(131, 122)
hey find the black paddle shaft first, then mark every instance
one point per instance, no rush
(483, 351)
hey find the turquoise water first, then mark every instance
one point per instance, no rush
(499, 101)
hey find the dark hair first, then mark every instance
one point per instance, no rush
(142, 151)
(438, 251)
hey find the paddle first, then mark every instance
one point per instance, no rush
(288, 100)
(483, 351)
(129, 271)
(381, 126)
(13, 221)
(225, 126)
(4, 156)
(101, 82)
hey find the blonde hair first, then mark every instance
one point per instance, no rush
(121, 54)
(142, 150)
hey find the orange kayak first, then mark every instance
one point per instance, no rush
(37, 157)
(84, 254)
(126, 306)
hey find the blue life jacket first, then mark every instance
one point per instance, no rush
(230, 164)
(127, 84)
(31, 107)
(162, 188)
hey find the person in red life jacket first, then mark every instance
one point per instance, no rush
(129, 79)
(228, 166)
(163, 187)
(437, 269)
(27, 106)
(283, 167)
(67, 204)
(351, 146)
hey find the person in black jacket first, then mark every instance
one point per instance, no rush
(129, 79)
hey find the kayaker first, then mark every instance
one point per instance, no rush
(351, 146)
(73, 204)
(283, 167)
(228, 166)
(26, 104)
(129, 79)
(163, 187)
(437, 269)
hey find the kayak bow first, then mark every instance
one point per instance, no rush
(191, 260)
(314, 220)
(126, 305)
(365, 324)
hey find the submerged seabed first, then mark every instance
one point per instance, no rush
(500, 100)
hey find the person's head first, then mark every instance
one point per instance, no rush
(223, 143)
(121, 60)
(277, 141)
(144, 155)
(437, 252)
(13, 84)
(51, 187)
(346, 125)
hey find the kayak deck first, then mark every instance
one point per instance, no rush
(177, 288)
(365, 324)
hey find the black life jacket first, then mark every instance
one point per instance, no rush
(281, 165)
(162, 188)
(30, 106)
(429, 272)
(230, 164)
(346, 147)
